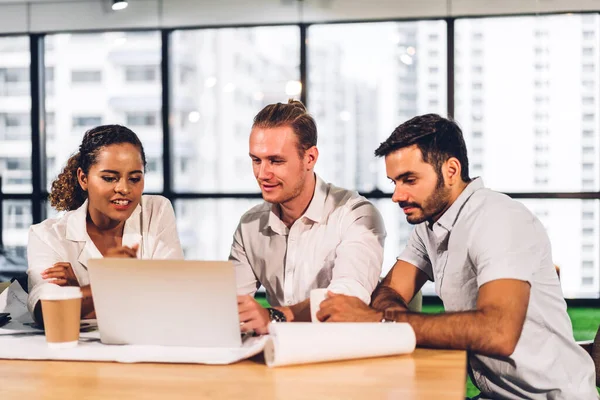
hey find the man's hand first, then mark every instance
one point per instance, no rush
(61, 274)
(342, 308)
(123, 251)
(253, 316)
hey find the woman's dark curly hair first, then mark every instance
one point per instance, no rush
(66, 193)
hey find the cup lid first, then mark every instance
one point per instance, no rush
(55, 292)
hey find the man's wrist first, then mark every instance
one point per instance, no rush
(289, 315)
(393, 315)
(276, 315)
(386, 297)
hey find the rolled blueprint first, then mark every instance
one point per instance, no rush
(302, 343)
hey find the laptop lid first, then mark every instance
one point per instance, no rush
(165, 302)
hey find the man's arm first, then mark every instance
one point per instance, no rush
(359, 255)
(398, 287)
(493, 329)
(254, 317)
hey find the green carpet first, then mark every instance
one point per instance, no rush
(585, 324)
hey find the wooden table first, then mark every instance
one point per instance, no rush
(426, 374)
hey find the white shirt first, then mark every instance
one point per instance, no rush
(152, 225)
(337, 244)
(485, 236)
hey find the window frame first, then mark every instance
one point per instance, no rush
(38, 196)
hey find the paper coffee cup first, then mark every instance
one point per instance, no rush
(316, 297)
(61, 309)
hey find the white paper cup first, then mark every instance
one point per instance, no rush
(316, 297)
(61, 309)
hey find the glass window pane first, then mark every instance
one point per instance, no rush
(15, 115)
(364, 80)
(103, 78)
(16, 219)
(572, 226)
(206, 226)
(527, 100)
(221, 78)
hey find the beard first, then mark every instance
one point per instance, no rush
(290, 193)
(432, 206)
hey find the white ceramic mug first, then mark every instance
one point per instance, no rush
(316, 297)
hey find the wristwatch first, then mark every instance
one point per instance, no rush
(276, 316)
(388, 316)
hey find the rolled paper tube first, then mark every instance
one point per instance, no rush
(302, 343)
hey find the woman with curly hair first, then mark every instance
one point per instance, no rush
(107, 216)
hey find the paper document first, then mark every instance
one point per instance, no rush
(13, 300)
(34, 347)
(301, 343)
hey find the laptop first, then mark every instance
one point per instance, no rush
(165, 302)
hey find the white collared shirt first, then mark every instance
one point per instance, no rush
(486, 236)
(336, 244)
(152, 225)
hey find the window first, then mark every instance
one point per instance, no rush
(222, 216)
(19, 215)
(349, 49)
(587, 280)
(539, 93)
(86, 76)
(104, 69)
(141, 73)
(213, 112)
(142, 119)
(15, 124)
(16, 164)
(86, 121)
(587, 166)
(152, 165)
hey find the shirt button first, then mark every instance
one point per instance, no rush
(289, 303)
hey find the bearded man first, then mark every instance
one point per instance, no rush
(491, 262)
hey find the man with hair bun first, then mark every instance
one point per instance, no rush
(307, 234)
(100, 189)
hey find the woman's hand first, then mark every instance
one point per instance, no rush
(61, 274)
(123, 251)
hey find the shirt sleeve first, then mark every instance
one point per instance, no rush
(246, 280)
(167, 245)
(359, 255)
(415, 253)
(510, 246)
(40, 256)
